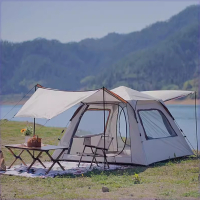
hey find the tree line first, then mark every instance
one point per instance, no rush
(163, 55)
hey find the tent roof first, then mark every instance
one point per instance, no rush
(48, 103)
(130, 94)
(167, 95)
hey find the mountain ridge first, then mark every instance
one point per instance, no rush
(113, 60)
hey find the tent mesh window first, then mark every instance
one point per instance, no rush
(123, 137)
(155, 124)
(92, 123)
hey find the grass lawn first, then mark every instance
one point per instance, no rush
(177, 179)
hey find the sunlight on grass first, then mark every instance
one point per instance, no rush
(174, 179)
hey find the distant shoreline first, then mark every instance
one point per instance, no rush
(8, 103)
(183, 102)
(172, 102)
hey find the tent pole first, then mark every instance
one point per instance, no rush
(34, 118)
(104, 125)
(34, 127)
(196, 123)
(34, 124)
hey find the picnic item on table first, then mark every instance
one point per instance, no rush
(35, 141)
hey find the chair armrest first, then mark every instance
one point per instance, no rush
(88, 136)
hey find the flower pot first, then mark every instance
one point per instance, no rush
(27, 138)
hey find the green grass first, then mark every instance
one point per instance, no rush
(175, 179)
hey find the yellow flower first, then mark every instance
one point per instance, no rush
(82, 174)
(23, 130)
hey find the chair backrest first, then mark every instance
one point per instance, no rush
(108, 141)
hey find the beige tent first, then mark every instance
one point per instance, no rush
(143, 129)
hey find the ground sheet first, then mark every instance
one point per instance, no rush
(70, 168)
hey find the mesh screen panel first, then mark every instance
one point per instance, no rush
(156, 124)
(92, 122)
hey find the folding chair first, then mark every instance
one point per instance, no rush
(97, 151)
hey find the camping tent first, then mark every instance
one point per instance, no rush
(142, 128)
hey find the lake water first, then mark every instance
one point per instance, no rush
(184, 115)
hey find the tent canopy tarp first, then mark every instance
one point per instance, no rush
(48, 103)
(167, 95)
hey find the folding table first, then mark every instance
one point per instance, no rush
(42, 149)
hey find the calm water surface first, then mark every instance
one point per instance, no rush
(183, 114)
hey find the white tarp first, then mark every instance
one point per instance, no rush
(129, 94)
(47, 103)
(167, 95)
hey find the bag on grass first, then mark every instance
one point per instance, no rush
(2, 162)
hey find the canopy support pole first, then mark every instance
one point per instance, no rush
(104, 125)
(34, 118)
(34, 123)
(34, 127)
(196, 123)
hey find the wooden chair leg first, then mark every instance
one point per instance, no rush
(81, 156)
(93, 158)
(105, 157)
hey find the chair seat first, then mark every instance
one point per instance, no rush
(98, 150)
(89, 154)
(96, 147)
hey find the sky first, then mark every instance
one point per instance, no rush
(69, 21)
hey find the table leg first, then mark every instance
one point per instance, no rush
(16, 157)
(55, 160)
(34, 159)
(37, 158)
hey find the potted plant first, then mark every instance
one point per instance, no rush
(27, 132)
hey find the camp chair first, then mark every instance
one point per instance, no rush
(97, 151)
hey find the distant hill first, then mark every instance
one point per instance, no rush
(163, 55)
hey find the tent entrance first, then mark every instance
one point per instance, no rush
(91, 128)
